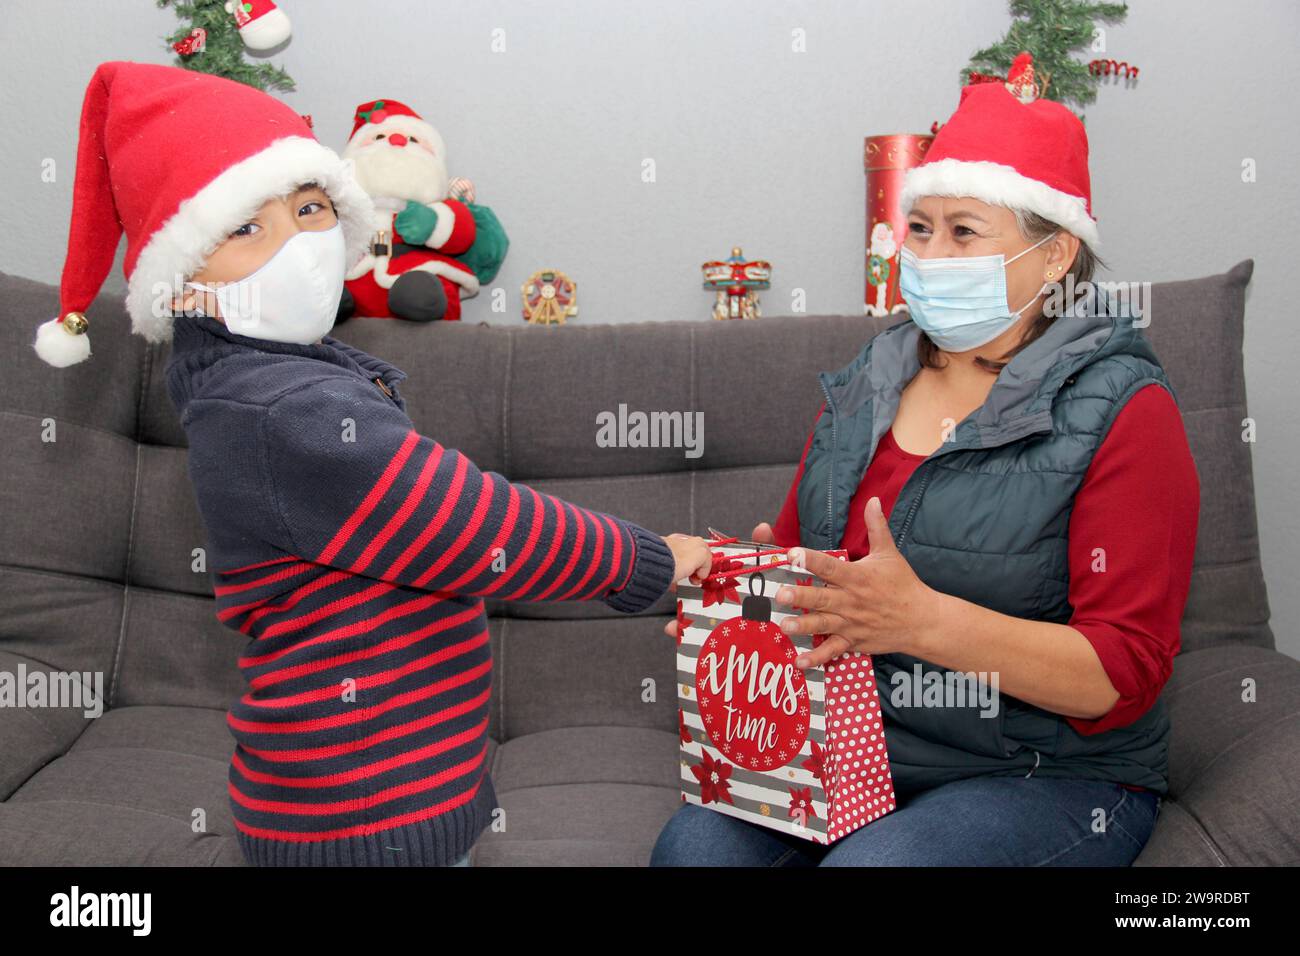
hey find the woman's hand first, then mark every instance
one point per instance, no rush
(876, 605)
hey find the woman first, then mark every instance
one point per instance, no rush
(1009, 472)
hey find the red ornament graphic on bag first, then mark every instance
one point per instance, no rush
(753, 700)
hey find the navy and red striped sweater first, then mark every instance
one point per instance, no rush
(354, 552)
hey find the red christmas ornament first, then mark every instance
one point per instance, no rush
(194, 43)
(753, 700)
(1021, 82)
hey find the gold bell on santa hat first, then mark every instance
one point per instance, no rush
(63, 343)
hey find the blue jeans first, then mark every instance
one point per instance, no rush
(981, 821)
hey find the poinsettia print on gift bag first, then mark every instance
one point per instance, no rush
(794, 750)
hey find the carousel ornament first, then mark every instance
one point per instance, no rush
(736, 283)
(549, 296)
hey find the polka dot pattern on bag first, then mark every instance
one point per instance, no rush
(863, 786)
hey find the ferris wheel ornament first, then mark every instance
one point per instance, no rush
(549, 297)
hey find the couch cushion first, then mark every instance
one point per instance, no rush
(30, 737)
(1234, 714)
(1197, 327)
(582, 796)
(129, 792)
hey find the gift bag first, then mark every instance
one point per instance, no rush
(801, 751)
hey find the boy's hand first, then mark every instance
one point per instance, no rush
(763, 534)
(692, 556)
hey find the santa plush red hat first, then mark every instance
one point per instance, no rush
(390, 114)
(177, 160)
(1007, 147)
(399, 123)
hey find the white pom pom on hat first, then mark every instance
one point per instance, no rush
(177, 160)
(59, 345)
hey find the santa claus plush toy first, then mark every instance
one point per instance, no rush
(432, 245)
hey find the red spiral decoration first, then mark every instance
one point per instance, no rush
(1107, 67)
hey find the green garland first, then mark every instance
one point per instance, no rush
(1051, 30)
(223, 53)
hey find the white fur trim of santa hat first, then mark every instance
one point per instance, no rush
(203, 221)
(999, 185)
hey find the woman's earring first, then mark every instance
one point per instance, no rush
(1050, 273)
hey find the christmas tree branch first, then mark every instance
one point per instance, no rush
(223, 50)
(1051, 31)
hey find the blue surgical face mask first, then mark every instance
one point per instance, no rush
(960, 302)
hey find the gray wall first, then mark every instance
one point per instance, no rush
(554, 131)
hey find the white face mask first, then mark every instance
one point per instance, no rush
(294, 297)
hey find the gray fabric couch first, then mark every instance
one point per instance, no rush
(100, 532)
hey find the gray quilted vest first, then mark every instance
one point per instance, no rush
(985, 518)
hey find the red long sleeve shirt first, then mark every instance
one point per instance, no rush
(1138, 504)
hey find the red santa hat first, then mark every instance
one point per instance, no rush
(392, 117)
(1006, 147)
(177, 160)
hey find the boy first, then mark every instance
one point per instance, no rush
(352, 550)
